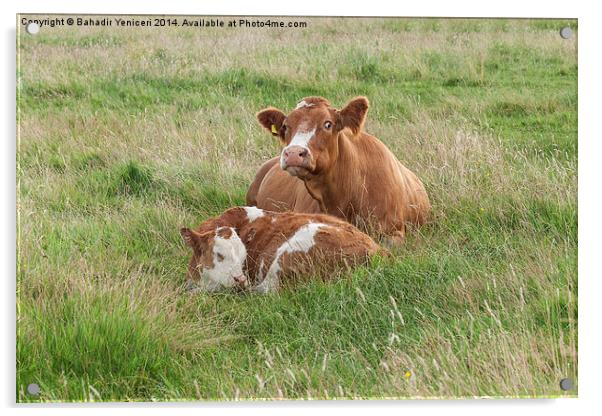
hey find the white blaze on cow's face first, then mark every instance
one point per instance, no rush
(296, 154)
(218, 259)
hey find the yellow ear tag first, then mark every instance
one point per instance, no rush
(274, 131)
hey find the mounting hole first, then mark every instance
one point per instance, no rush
(32, 28)
(566, 32)
(566, 384)
(33, 389)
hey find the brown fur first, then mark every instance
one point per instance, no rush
(202, 248)
(351, 174)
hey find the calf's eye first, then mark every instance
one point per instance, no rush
(327, 125)
(220, 257)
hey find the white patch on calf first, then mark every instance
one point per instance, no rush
(300, 242)
(253, 213)
(230, 265)
(301, 139)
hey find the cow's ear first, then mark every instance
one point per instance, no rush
(272, 119)
(191, 238)
(353, 115)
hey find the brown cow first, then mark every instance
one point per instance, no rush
(350, 173)
(247, 246)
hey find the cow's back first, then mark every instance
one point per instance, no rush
(418, 205)
(380, 189)
(392, 186)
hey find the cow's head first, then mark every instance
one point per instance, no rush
(217, 259)
(309, 134)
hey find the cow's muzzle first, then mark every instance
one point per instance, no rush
(295, 156)
(296, 160)
(241, 281)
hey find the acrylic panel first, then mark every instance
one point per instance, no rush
(411, 234)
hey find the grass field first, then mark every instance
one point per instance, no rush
(126, 135)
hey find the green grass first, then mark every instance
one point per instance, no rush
(125, 136)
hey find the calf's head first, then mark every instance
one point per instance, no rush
(217, 260)
(309, 134)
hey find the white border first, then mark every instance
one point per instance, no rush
(590, 140)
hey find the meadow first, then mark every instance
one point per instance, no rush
(125, 135)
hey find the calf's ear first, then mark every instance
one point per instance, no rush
(272, 119)
(353, 115)
(191, 239)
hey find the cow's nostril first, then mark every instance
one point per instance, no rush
(285, 154)
(303, 153)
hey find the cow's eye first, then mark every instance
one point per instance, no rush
(327, 125)
(220, 257)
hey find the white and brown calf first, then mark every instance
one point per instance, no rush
(271, 248)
